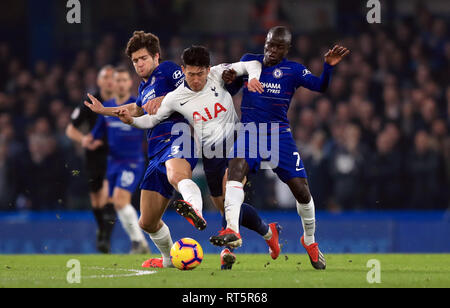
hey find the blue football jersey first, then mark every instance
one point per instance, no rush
(164, 79)
(280, 83)
(124, 141)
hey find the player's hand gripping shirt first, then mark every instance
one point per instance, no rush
(210, 111)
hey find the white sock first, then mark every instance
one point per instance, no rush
(191, 194)
(307, 213)
(129, 219)
(268, 236)
(234, 197)
(163, 240)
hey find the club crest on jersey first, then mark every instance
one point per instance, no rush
(153, 81)
(215, 92)
(218, 108)
(277, 73)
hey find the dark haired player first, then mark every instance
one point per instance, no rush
(83, 120)
(280, 78)
(167, 168)
(126, 160)
(207, 105)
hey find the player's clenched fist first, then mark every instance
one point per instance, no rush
(229, 76)
(254, 85)
(124, 116)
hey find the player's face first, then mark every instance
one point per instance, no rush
(196, 76)
(275, 50)
(144, 63)
(123, 83)
(105, 80)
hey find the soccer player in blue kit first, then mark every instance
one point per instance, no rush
(126, 161)
(280, 79)
(167, 169)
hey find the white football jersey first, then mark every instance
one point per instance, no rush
(210, 111)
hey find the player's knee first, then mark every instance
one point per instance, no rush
(143, 225)
(174, 178)
(120, 201)
(178, 170)
(303, 196)
(237, 170)
(301, 192)
(148, 226)
(118, 206)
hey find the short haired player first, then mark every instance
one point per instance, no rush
(126, 160)
(281, 78)
(167, 169)
(82, 122)
(205, 102)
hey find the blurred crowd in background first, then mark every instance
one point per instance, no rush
(377, 139)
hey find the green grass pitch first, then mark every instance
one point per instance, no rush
(250, 271)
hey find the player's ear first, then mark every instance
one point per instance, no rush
(183, 69)
(157, 57)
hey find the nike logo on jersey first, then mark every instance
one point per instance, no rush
(182, 104)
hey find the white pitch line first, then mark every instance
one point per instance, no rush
(135, 273)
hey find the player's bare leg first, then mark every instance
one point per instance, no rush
(129, 219)
(100, 198)
(306, 210)
(153, 206)
(179, 175)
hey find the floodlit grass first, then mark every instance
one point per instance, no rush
(250, 271)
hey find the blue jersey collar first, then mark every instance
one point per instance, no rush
(283, 61)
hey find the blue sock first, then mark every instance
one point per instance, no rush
(250, 219)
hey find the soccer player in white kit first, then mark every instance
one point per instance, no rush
(204, 101)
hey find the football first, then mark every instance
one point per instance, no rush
(186, 254)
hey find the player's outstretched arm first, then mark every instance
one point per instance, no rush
(97, 107)
(320, 84)
(142, 122)
(146, 121)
